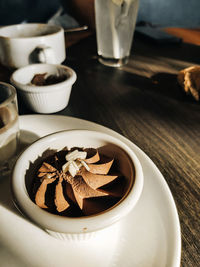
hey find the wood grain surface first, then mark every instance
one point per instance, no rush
(144, 102)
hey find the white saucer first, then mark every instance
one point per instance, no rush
(149, 237)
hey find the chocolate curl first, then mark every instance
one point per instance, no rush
(40, 195)
(81, 191)
(60, 201)
(93, 159)
(102, 168)
(46, 167)
(96, 180)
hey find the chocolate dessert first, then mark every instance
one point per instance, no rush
(42, 79)
(77, 182)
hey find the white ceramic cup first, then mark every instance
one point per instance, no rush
(24, 44)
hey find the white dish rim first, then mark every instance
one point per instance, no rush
(175, 218)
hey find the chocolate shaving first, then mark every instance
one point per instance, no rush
(43, 174)
(40, 194)
(82, 190)
(97, 180)
(60, 201)
(46, 168)
(93, 158)
(102, 168)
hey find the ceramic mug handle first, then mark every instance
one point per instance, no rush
(46, 55)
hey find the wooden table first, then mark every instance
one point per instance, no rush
(144, 102)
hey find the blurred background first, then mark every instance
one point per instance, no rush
(73, 13)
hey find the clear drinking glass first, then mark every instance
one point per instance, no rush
(9, 126)
(115, 26)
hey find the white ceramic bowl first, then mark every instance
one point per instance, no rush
(44, 99)
(81, 227)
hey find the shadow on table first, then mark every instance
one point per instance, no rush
(167, 85)
(162, 85)
(160, 95)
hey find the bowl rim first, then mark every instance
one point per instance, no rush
(57, 30)
(12, 95)
(72, 225)
(45, 88)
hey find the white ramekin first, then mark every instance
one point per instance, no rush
(82, 227)
(48, 98)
